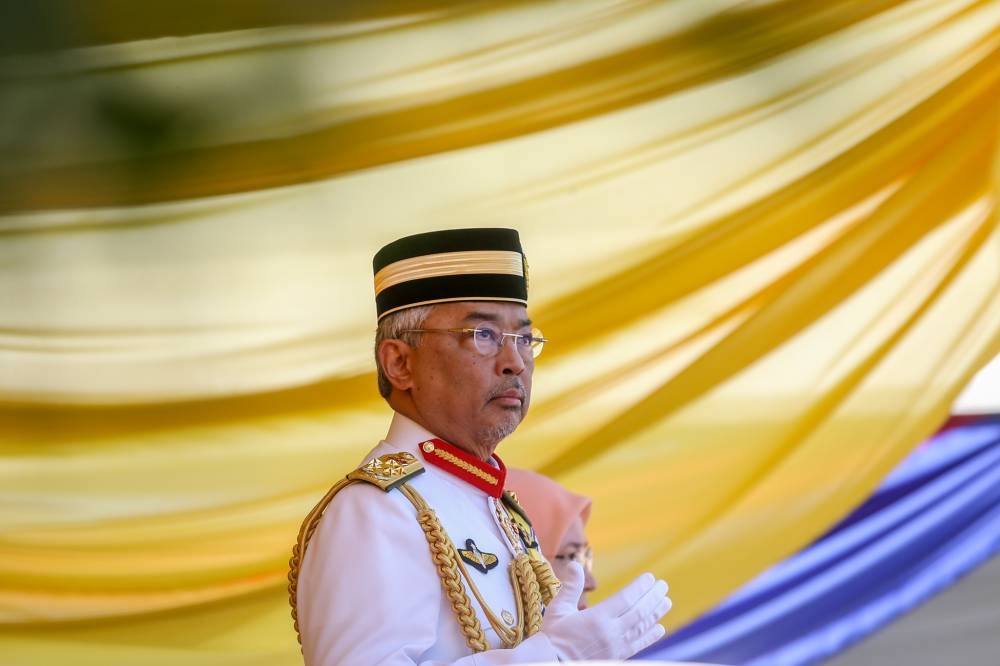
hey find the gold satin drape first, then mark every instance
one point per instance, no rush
(762, 238)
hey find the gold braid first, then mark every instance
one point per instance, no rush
(443, 555)
(535, 583)
(531, 596)
(309, 525)
(547, 582)
(524, 573)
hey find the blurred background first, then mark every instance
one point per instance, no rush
(763, 241)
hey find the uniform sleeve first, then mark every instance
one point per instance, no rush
(368, 592)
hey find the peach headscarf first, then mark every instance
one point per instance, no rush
(550, 507)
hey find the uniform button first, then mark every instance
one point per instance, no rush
(428, 447)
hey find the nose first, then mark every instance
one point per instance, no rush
(589, 582)
(509, 359)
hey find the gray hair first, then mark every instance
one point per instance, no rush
(393, 327)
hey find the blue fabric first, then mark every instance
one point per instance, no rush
(934, 518)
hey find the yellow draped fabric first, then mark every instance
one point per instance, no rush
(762, 237)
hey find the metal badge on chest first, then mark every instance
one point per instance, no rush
(476, 558)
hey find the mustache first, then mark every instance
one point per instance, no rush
(515, 385)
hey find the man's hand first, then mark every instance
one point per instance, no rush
(616, 628)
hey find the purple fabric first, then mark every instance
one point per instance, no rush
(933, 519)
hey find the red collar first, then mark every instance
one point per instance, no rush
(465, 466)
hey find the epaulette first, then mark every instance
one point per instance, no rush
(388, 471)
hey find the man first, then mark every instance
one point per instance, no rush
(418, 556)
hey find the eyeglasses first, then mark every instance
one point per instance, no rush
(488, 341)
(583, 555)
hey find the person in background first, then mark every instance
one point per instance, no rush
(559, 517)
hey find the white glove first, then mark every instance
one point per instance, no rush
(616, 628)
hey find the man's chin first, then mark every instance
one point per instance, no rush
(500, 431)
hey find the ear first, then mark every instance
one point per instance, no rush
(395, 357)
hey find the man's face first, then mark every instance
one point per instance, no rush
(470, 399)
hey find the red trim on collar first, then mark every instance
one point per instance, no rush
(465, 466)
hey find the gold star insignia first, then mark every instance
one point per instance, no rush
(389, 470)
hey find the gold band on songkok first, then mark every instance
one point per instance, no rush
(449, 263)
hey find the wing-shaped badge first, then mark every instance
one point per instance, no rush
(476, 558)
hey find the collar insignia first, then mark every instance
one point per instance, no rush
(465, 466)
(476, 558)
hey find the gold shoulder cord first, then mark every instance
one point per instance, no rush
(299, 549)
(529, 596)
(548, 584)
(533, 581)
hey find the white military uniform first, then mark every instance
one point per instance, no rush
(368, 590)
